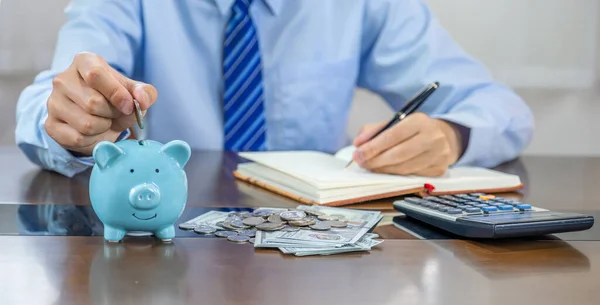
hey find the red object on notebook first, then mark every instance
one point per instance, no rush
(429, 187)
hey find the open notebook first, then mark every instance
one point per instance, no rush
(318, 178)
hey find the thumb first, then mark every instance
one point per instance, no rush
(367, 132)
(144, 93)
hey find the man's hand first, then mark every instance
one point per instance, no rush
(91, 102)
(418, 145)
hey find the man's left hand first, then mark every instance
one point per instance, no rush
(418, 145)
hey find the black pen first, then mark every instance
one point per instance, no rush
(411, 106)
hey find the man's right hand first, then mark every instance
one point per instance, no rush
(92, 102)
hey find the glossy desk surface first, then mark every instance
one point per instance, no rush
(46, 268)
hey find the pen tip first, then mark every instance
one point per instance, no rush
(436, 85)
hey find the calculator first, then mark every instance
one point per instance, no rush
(479, 215)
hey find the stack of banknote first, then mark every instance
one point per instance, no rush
(303, 231)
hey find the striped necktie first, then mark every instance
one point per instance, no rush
(244, 117)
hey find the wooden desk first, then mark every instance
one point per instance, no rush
(403, 270)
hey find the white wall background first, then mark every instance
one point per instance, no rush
(546, 49)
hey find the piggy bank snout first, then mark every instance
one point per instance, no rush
(144, 196)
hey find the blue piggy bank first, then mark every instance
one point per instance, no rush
(139, 186)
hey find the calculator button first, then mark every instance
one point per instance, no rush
(472, 210)
(414, 200)
(431, 198)
(463, 196)
(505, 207)
(443, 208)
(460, 200)
(489, 209)
(497, 204)
(481, 205)
(487, 197)
(428, 204)
(454, 211)
(476, 194)
(523, 206)
(447, 197)
(462, 207)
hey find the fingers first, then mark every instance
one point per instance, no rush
(399, 133)
(95, 72)
(426, 162)
(400, 153)
(144, 93)
(67, 136)
(367, 132)
(88, 99)
(62, 109)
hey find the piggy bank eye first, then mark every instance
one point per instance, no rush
(157, 170)
(131, 170)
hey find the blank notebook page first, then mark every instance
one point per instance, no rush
(322, 170)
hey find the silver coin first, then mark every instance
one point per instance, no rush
(253, 221)
(327, 217)
(138, 114)
(220, 224)
(246, 215)
(248, 232)
(204, 229)
(237, 238)
(251, 240)
(225, 233)
(187, 225)
(335, 223)
(292, 215)
(238, 224)
(227, 225)
(290, 229)
(314, 213)
(268, 226)
(231, 218)
(262, 213)
(320, 226)
(275, 218)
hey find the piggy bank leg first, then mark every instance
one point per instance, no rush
(112, 234)
(167, 234)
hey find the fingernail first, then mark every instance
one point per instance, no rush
(127, 107)
(140, 92)
(359, 157)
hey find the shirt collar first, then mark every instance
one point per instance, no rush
(274, 6)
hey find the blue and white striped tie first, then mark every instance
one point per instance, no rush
(244, 117)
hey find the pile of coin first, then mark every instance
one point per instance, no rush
(241, 227)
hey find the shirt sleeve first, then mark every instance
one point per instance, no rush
(405, 48)
(109, 28)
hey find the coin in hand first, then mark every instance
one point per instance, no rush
(138, 114)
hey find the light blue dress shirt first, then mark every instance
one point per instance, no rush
(314, 52)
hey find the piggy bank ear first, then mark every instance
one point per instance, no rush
(178, 150)
(105, 153)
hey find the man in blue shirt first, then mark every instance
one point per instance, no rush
(266, 75)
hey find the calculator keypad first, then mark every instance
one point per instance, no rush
(469, 204)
